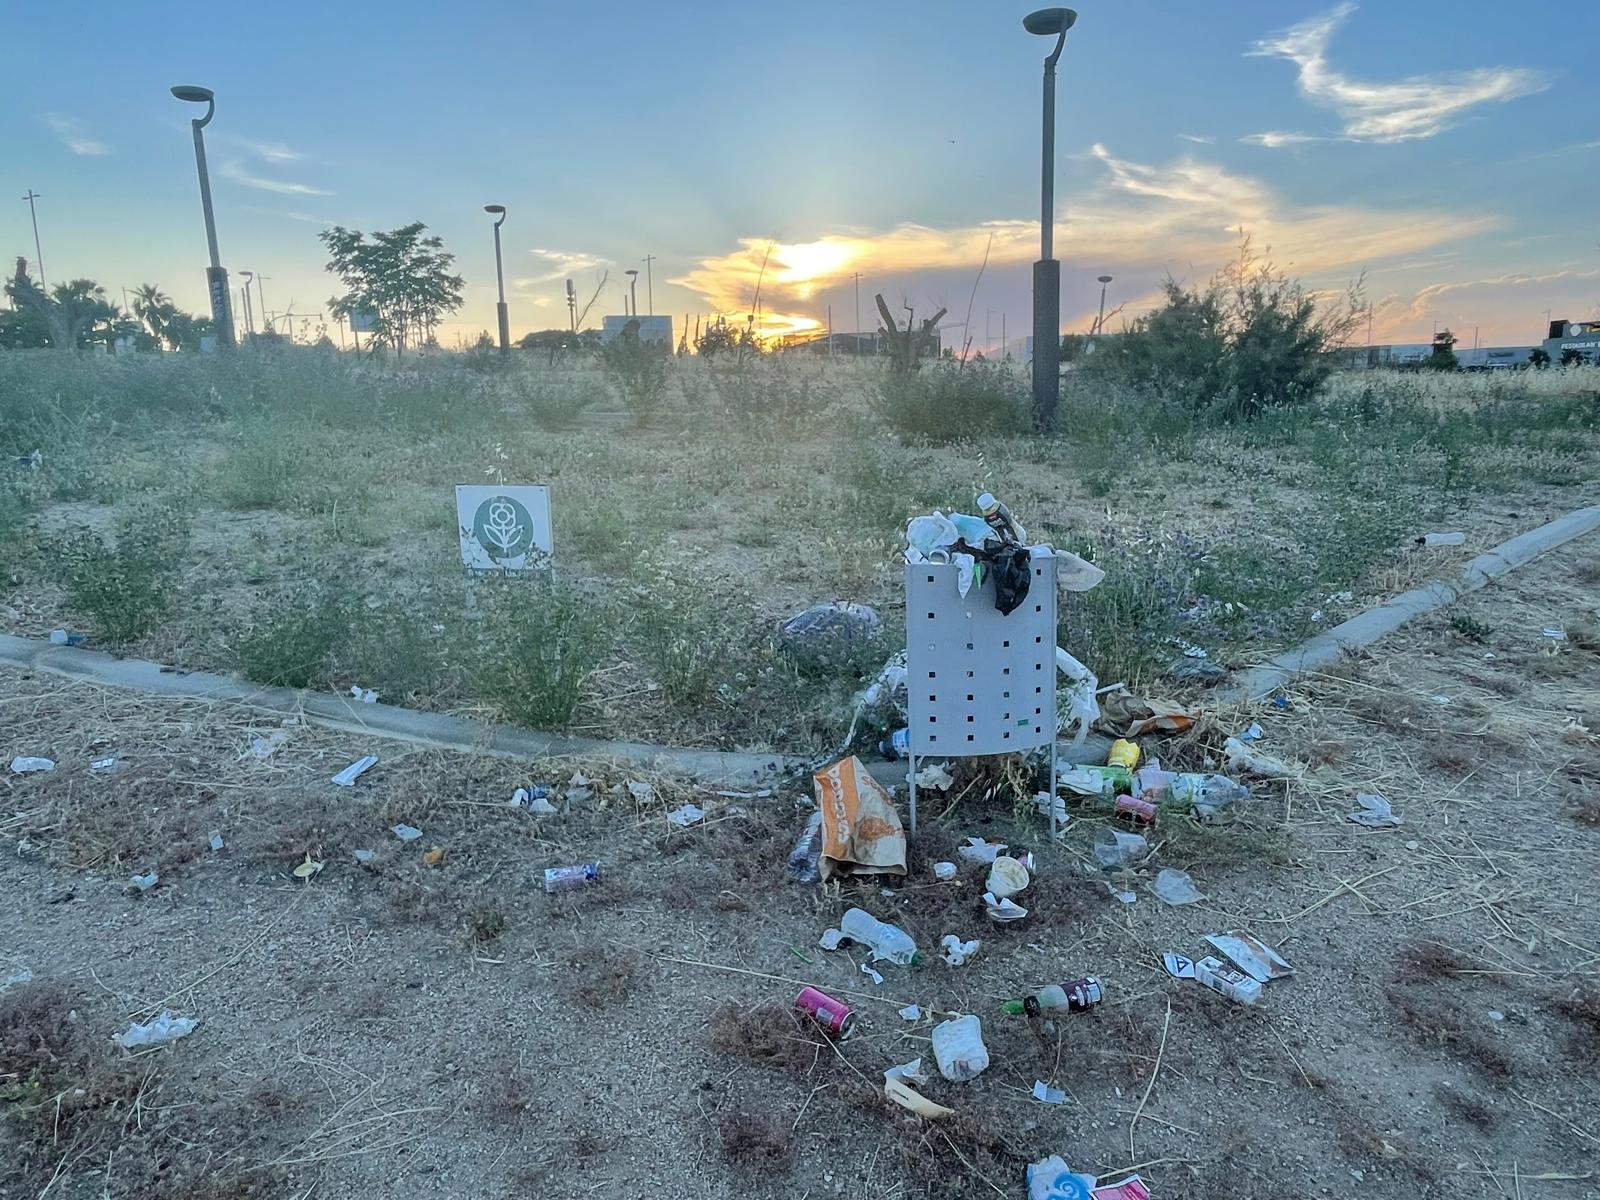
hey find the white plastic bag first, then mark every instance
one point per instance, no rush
(1076, 707)
(930, 533)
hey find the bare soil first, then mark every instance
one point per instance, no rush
(405, 1029)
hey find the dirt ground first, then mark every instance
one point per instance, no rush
(401, 1029)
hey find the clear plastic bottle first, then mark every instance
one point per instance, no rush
(1208, 794)
(568, 879)
(888, 942)
(806, 856)
(959, 1050)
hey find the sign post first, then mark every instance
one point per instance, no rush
(504, 528)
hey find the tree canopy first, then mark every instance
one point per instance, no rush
(401, 277)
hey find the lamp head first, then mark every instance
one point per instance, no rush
(1048, 22)
(193, 94)
(631, 271)
(494, 208)
(1105, 279)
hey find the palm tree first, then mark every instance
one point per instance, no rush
(154, 307)
(82, 304)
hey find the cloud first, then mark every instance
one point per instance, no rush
(1183, 215)
(1499, 305)
(70, 131)
(562, 264)
(235, 170)
(1417, 107)
(1195, 137)
(272, 152)
(1273, 139)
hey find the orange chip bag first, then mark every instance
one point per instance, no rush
(861, 831)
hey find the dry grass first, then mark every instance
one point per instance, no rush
(754, 1140)
(768, 1036)
(602, 977)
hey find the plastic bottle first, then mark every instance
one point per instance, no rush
(1208, 794)
(568, 879)
(1001, 521)
(806, 856)
(897, 745)
(1124, 754)
(959, 1050)
(1078, 995)
(886, 941)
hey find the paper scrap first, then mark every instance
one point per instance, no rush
(1046, 1094)
(686, 816)
(1375, 812)
(348, 776)
(1179, 966)
(956, 952)
(1252, 956)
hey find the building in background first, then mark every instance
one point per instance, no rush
(656, 330)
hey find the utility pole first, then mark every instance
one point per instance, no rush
(857, 278)
(38, 254)
(830, 331)
(649, 285)
(262, 296)
(1002, 333)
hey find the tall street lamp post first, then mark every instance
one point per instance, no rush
(1048, 22)
(649, 285)
(500, 278)
(216, 277)
(1100, 320)
(633, 289)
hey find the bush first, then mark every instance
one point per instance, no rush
(125, 589)
(540, 643)
(639, 371)
(762, 394)
(1250, 340)
(950, 402)
(555, 400)
(291, 645)
(681, 635)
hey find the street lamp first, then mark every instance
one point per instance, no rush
(1101, 319)
(500, 276)
(249, 315)
(633, 288)
(216, 277)
(1048, 22)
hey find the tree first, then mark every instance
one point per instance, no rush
(1443, 357)
(1540, 358)
(401, 277)
(639, 371)
(154, 307)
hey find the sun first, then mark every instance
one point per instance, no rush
(803, 262)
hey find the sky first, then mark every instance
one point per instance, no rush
(1429, 147)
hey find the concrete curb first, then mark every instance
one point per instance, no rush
(377, 720)
(1368, 627)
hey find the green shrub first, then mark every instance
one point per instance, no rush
(555, 400)
(261, 470)
(950, 402)
(639, 370)
(540, 643)
(290, 644)
(687, 639)
(13, 528)
(125, 589)
(762, 394)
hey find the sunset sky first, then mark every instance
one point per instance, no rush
(1450, 150)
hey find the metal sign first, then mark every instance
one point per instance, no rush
(363, 320)
(504, 528)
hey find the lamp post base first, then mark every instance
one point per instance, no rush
(1046, 342)
(505, 328)
(221, 310)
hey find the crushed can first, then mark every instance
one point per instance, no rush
(1143, 812)
(833, 1015)
(1124, 754)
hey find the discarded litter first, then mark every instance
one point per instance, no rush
(104, 764)
(1045, 1094)
(897, 1087)
(806, 852)
(641, 791)
(1007, 877)
(956, 952)
(1206, 794)
(348, 776)
(216, 839)
(1104, 782)
(569, 879)
(1140, 810)
(1113, 848)
(1254, 734)
(1442, 539)
(861, 832)
(1375, 812)
(1254, 957)
(1235, 985)
(145, 882)
(308, 868)
(60, 637)
(897, 745)
(19, 976)
(911, 1012)
(1172, 886)
(945, 871)
(1249, 761)
(1179, 966)
(1131, 1188)
(833, 1015)
(365, 856)
(406, 833)
(163, 1031)
(1124, 754)
(1130, 717)
(1076, 995)
(27, 764)
(979, 851)
(866, 969)
(936, 776)
(1076, 706)
(888, 943)
(959, 1050)
(826, 631)
(31, 462)
(433, 856)
(262, 747)
(1054, 808)
(364, 695)
(686, 816)
(1052, 1179)
(1554, 633)
(1000, 911)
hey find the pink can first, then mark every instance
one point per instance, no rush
(831, 1014)
(1142, 811)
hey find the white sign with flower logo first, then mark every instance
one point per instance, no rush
(504, 527)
